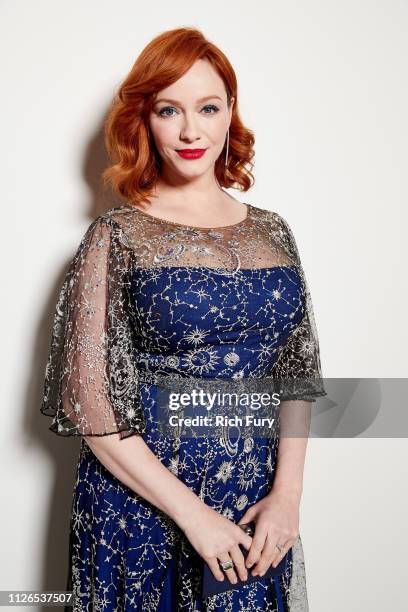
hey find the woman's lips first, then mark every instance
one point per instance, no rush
(191, 153)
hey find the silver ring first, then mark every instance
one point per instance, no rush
(279, 547)
(226, 565)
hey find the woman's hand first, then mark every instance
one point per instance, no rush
(217, 539)
(276, 519)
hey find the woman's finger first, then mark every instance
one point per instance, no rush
(239, 562)
(258, 542)
(278, 555)
(215, 568)
(230, 573)
(245, 539)
(265, 559)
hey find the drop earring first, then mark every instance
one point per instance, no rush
(227, 149)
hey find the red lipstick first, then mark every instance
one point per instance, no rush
(191, 153)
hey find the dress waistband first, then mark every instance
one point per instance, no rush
(173, 381)
(288, 388)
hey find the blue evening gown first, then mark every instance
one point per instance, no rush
(235, 320)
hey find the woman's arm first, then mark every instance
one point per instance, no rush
(294, 434)
(133, 463)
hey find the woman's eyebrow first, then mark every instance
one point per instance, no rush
(179, 103)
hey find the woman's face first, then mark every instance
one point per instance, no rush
(192, 113)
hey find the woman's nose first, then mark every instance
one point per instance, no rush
(190, 129)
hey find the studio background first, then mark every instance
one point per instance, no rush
(323, 85)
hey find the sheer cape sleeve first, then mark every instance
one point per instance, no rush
(91, 380)
(298, 366)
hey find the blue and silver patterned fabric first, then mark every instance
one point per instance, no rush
(171, 312)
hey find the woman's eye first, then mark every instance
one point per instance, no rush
(211, 107)
(167, 111)
(163, 111)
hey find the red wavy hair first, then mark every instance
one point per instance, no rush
(129, 142)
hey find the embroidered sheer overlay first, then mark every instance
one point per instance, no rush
(102, 339)
(148, 303)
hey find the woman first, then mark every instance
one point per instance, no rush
(200, 288)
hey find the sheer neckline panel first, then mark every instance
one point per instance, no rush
(252, 243)
(198, 227)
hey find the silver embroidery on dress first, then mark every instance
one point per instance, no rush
(99, 357)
